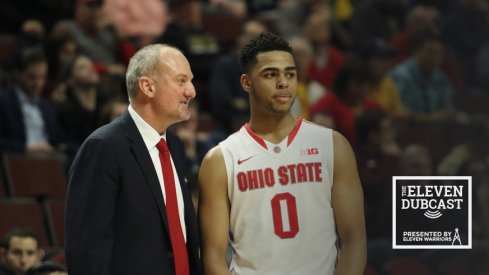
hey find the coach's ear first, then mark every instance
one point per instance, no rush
(245, 82)
(147, 86)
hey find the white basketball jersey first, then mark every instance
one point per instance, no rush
(281, 214)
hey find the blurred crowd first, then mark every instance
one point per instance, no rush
(406, 81)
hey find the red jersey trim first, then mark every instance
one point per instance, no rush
(261, 141)
(256, 137)
(294, 131)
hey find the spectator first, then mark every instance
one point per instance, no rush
(327, 60)
(139, 21)
(32, 34)
(421, 21)
(339, 23)
(308, 91)
(113, 109)
(377, 19)
(195, 143)
(228, 101)
(377, 56)
(28, 123)
(236, 8)
(20, 250)
(96, 38)
(377, 154)
(79, 112)
(59, 48)
(346, 101)
(324, 119)
(185, 31)
(423, 87)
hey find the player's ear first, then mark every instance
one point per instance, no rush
(245, 82)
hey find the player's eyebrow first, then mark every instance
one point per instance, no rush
(275, 69)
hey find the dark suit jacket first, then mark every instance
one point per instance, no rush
(12, 126)
(115, 215)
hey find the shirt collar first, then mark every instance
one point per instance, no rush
(150, 136)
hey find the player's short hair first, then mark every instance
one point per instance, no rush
(21, 232)
(265, 42)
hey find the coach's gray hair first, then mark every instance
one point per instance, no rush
(144, 63)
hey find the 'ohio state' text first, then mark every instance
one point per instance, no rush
(286, 174)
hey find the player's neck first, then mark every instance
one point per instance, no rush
(273, 128)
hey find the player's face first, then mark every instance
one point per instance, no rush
(272, 82)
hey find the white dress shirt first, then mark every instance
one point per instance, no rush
(151, 137)
(33, 120)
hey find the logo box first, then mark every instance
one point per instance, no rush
(432, 212)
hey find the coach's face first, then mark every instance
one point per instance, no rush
(174, 88)
(272, 82)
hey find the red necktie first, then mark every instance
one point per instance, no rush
(177, 241)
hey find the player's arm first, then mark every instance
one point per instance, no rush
(214, 213)
(347, 197)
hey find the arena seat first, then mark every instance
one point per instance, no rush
(23, 212)
(35, 176)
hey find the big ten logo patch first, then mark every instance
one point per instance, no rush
(309, 151)
(432, 212)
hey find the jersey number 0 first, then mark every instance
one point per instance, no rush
(291, 211)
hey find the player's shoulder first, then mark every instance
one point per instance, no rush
(214, 152)
(306, 124)
(313, 130)
(213, 165)
(233, 140)
(339, 140)
(213, 156)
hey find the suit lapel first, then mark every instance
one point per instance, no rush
(140, 152)
(142, 156)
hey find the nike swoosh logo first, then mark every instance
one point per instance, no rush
(243, 160)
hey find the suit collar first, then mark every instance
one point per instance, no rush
(150, 136)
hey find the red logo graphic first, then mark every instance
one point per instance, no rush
(309, 151)
(243, 160)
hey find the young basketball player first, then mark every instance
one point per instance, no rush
(283, 191)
